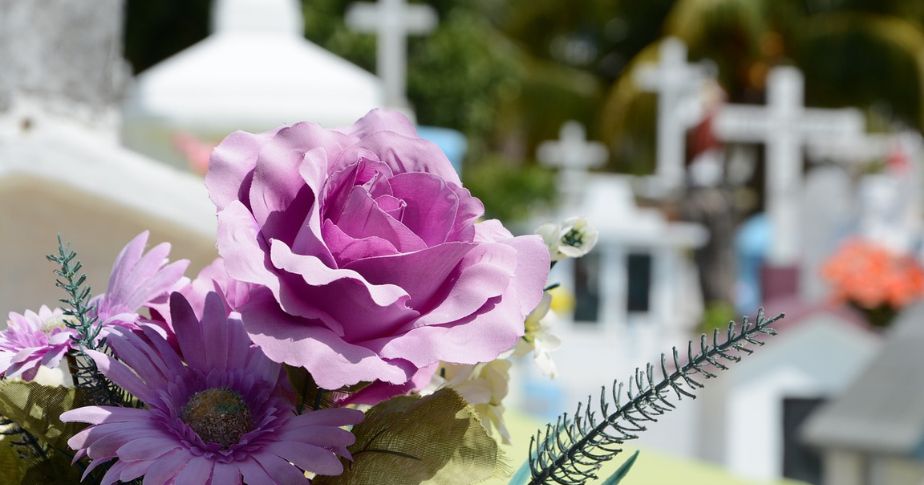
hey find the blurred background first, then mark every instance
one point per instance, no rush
(733, 154)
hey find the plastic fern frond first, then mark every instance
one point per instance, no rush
(571, 450)
(77, 305)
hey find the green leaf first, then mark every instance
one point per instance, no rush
(36, 409)
(623, 470)
(409, 440)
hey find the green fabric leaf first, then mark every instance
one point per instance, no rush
(409, 440)
(623, 470)
(36, 409)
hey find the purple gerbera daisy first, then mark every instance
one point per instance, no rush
(32, 340)
(138, 279)
(218, 414)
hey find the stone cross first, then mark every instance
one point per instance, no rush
(678, 85)
(573, 154)
(392, 21)
(784, 126)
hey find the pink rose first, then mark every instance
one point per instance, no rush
(365, 253)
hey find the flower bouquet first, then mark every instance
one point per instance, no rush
(358, 327)
(874, 279)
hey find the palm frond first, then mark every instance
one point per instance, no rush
(572, 449)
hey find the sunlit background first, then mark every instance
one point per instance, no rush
(733, 154)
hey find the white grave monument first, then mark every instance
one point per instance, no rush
(392, 21)
(785, 127)
(636, 293)
(255, 72)
(61, 168)
(573, 155)
(679, 86)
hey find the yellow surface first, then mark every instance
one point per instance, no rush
(651, 468)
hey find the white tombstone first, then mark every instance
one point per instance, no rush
(680, 87)
(392, 21)
(255, 72)
(826, 219)
(61, 168)
(815, 356)
(785, 127)
(622, 337)
(890, 211)
(573, 155)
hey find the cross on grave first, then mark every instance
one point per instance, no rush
(573, 155)
(678, 85)
(785, 126)
(392, 21)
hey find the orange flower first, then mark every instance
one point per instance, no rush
(872, 276)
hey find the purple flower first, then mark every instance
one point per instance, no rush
(32, 340)
(138, 280)
(219, 413)
(366, 253)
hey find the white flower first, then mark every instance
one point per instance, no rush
(571, 239)
(538, 338)
(484, 386)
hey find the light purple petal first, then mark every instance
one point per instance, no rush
(165, 468)
(307, 456)
(230, 164)
(332, 362)
(197, 471)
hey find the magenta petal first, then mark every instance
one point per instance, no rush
(421, 274)
(362, 217)
(433, 207)
(346, 248)
(341, 298)
(485, 273)
(333, 362)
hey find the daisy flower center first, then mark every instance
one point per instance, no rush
(218, 415)
(54, 323)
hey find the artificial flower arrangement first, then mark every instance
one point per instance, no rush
(357, 328)
(874, 279)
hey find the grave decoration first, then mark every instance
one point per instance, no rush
(357, 328)
(874, 279)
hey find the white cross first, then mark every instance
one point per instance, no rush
(573, 155)
(392, 21)
(679, 87)
(785, 126)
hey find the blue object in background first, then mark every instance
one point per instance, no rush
(752, 243)
(452, 142)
